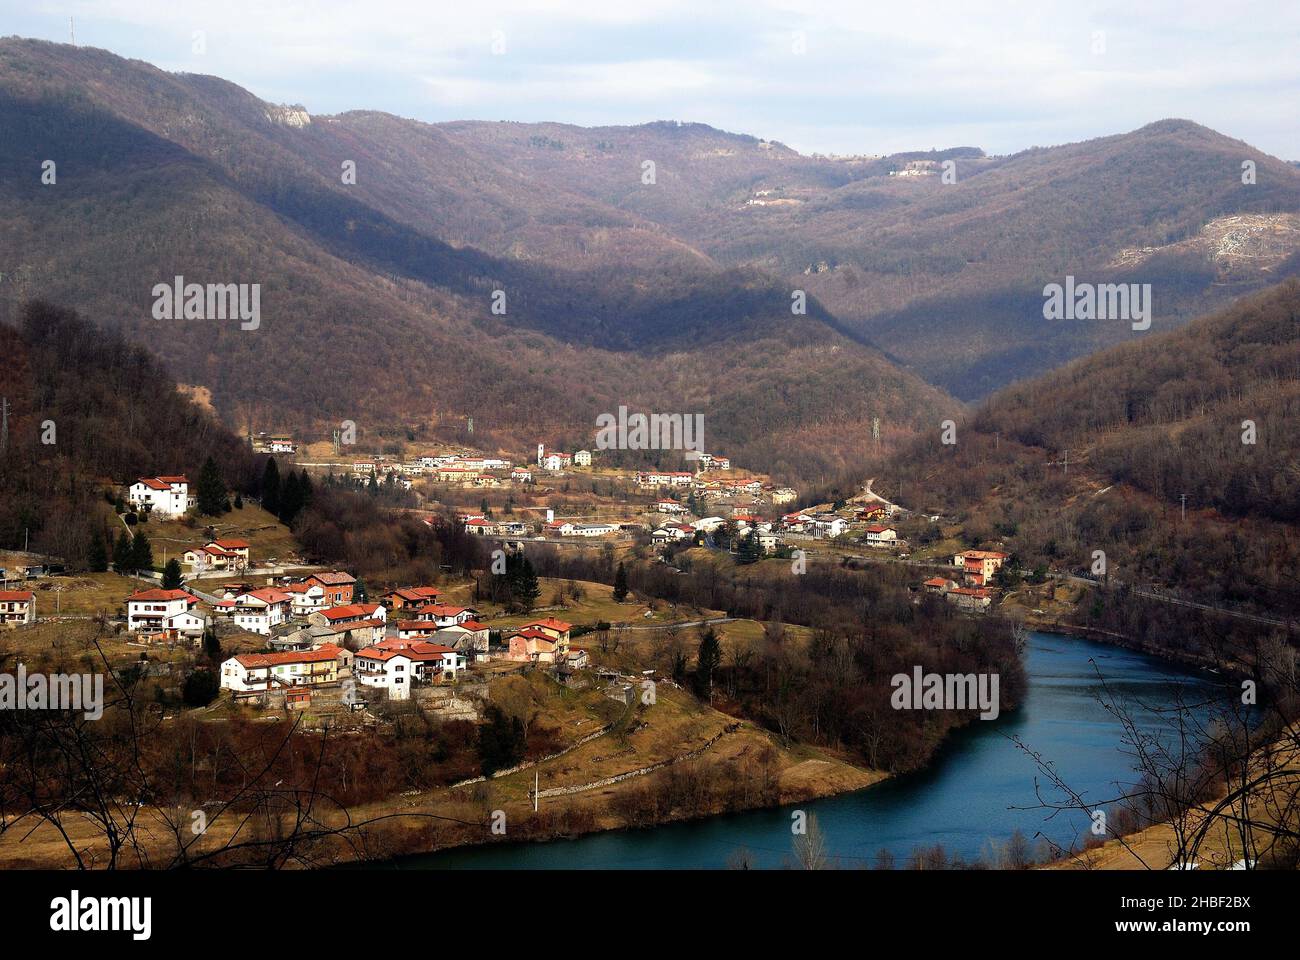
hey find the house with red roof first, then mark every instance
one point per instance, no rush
(259, 611)
(445, 614)
(397, 665)
(260, 672)
(338, 586)
(534, 646)
(151, 610)
(167, 497)
(410, 597)
(17, 607)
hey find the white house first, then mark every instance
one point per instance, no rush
(254, 672)
(582, 458)
(305, 598)
(151, 609)
(161, 496)
(445, 615)
(258, 611)
(880, 536)
(830, 527)
(17, 607)
(396, 665)
(594, 529)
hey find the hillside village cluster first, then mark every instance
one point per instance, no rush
(319, 633)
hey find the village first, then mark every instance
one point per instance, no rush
(296, 632)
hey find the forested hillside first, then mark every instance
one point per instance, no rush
(88, 412)
(1100, 455)
(370, 313)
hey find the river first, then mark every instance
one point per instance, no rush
(966, 800)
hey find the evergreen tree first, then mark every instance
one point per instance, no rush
(97, 561)
(749, 550)
(526, 589)
(271, 487)
(172, 577)
(620, 583)
(212, 646)
(372, 487)
(211, 490)
(201, 688)
(141, 552)
(290, 499)
(708, 660)
(122, 554)
(239, 502)
(306, 487)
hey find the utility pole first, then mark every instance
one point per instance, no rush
(4, 425)
(536, 783)
(1066, 462)
(1183, 498)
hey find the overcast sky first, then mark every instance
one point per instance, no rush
(862, 76)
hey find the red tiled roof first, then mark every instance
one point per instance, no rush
(326, 651)
(158, 595)
(442, 609)
(549, 622)
(414, 649)
(333, 578)
(16, 596)
(349, 611)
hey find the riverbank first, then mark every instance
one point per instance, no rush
(675, 760)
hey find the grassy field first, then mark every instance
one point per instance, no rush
(83, 595)
(267, 536)
(596, 605)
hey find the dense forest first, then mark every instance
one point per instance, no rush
(89, 412)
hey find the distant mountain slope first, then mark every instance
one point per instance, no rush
(948, 276)
(1206, 412)
(373, 307)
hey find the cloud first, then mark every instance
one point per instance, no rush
(833, 76)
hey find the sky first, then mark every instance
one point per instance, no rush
(863, 76)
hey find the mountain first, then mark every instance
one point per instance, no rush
(376, 296)
(1099, 456)
(948, 277)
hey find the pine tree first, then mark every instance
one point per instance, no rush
(239, 501)
(306, 487)
(141, 552)
(212, 646)
(210, 490)
(620, 583)
(98, 558)
(749, 550)
(271, 487)
(122, 554)
(172, 577)
(707, 661)
(290, 499)
(526, 589)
